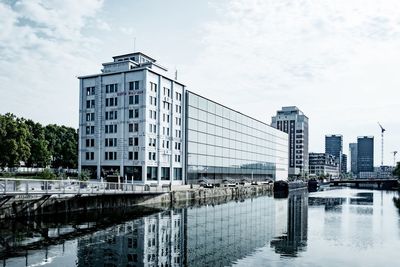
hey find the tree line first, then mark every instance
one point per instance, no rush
(23, 140)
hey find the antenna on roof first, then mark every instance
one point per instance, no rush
(176, 74)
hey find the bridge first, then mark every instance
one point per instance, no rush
(381, 183)
(26, 187)
(21, 196)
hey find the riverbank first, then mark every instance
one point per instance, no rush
(183, 195)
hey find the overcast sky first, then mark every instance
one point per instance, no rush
(338, 61)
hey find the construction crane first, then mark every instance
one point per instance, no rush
(382, 132)
(394, 158)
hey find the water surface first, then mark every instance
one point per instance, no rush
(340, 227)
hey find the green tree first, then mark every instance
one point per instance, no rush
(62, 145)
(14, 145)
(40, 155)
(396, 171)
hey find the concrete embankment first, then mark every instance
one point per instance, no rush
(52, 205)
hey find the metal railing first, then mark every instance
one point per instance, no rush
(12, 186)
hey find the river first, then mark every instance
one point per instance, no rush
(337, 227)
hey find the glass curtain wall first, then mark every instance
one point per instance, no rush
(223, 144)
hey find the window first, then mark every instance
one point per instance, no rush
(136, 113)
(130, 127)
(90, 91)
(130, 141)
(130, 157)
(135, 155)
(136, 127)
(136, 141)
(134, 85)
(165, 173)
(131, 114)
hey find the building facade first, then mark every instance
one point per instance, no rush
(365, 155)
(323, 164)
(132, 124)
(334, 146)
(353, 158)
(293, 122)
(226, 144)
(130, 121)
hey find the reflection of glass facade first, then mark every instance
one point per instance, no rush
(223, 143)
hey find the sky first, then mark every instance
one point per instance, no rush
(338, 61)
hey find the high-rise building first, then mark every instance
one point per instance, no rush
(353, 158)
(343, 167)
(334, 146)
(293, 122)
(131, 121)
(138, 122)
(365, 154)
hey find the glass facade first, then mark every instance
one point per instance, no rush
(225, 144)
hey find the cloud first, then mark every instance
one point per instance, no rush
(42, 48)
(336, 60)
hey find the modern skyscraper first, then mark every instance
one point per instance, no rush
(353, 158)
(365, 154)
(343, 169)
(293, 121)
(334, 146)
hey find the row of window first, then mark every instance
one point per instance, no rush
(111, 102)
(165, 173)
(111, 115)
(111, 88)
(134, 85)
(110, 142)
(110, 128)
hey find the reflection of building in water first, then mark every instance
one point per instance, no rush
(296, 238)
(213, 235)
(220, 235)
(155, 240)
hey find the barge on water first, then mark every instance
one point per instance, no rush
(282, 188)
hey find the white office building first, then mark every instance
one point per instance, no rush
(130, 121)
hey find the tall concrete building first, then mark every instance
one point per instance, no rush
(365, 154)
(353, 158)
(334, 146)
(131, 120)
(343, 167)
(293, 122)
(139, 122)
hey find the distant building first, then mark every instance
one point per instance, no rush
(365, 155)
(343, 167)
(323, 164)
(353, 158)
(384, 172)
(334, 146)
(292, 121)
